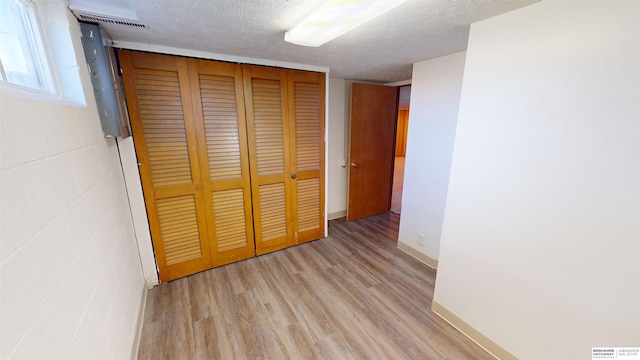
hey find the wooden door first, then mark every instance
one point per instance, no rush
(218, 105)
(159, 101)
(221, 186)
(401, 132)
(269, 143)
(306, 104)
(371, 149)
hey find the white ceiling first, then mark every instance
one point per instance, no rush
(381, 51)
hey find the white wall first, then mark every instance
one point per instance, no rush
(336, 149)
(70, 278)
(435, 97)
(540, 248)
(404, 97)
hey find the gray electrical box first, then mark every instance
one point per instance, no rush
(106, 80)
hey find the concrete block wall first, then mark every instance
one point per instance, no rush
(71, 283)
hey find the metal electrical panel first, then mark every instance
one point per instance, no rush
(106, 80)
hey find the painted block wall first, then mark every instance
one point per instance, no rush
(70, 279)
(433, 112)
(540, 249)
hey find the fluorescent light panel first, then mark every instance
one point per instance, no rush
(335, 18)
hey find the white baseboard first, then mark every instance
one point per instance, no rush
(469, 331)
(337, 215)
(432, 263)
(140, 323)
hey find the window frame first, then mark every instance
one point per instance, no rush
(41, 62)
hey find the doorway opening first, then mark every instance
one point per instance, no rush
(401, 148)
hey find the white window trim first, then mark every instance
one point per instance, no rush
(43, 54)
(62, 47)
(33, 35)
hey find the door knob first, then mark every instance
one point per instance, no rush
(293, 176)
(354, 165)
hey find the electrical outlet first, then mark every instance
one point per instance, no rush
(420, 239)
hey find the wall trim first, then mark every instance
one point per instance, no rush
(399, 83)
(325, 143)
(472, 333)
(337, 215)
(217, 56)
(139, 324)
(138, 210)
(432, 263)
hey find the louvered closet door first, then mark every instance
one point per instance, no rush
(306, 104)
(159, 103)
(269, 143)
(218, 105)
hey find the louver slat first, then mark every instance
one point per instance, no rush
(228, 209)
(179, 226)
(273, 212)
(221, 126)
(267, 110)
(307, 117)
(308, 204)
(164, 127)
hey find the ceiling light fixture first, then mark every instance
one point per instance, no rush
(335, 18)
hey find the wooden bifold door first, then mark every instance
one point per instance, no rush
(231, 157)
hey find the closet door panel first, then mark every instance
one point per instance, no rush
(164, 129)
(269, 143)
(218, 104)
(179, 225)
(268, 126)
(306, 101)
(273, 212)
(159, 97)
(231, 229)
(308, 201)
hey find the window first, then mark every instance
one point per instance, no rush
(22, 56)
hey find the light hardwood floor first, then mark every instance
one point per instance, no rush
(352, 295)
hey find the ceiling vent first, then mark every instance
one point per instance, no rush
(107, 20)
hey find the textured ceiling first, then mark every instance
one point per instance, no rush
(382, 50)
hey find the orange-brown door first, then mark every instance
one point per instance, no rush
(231, 157)
(371, 149)
(306, 104)
(218, 106)
(269, 143)
(401, 132)
(188, 122)
(159, 101)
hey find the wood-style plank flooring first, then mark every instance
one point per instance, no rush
(352, 295)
